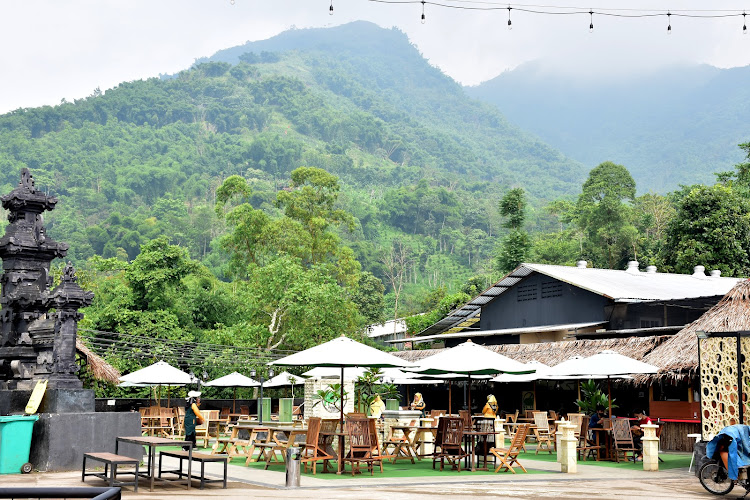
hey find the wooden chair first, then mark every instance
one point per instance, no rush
(225, 411)
(486, 442)
(512, 417)
(314, 449)
(466, 416)
(451, 444)
(244, 411)
(509, 456)
(360, 445)
(438, 440)
(622, 439)
(437, 413)
(203, 431)
(166, 422)
(553, 415)
(586, 444)
(356, 414)
(545, 438)
(328, 426)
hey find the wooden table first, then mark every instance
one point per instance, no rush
(279, 444)
(152, 442)
(469, 438)
(153, 424)
(406, 440)
(603, 440)
(340, 452)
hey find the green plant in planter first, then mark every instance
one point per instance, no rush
(330, 398)
(368, 386)
(592, 398)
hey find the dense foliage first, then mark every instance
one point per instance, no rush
(273, 198)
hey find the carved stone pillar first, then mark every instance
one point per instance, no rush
(26, 252)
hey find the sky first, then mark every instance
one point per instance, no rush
(54, 50)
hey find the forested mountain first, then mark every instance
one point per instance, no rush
(417, 160)
(677, 125)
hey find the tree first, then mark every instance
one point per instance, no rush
(310, 200)
(604, 214)
(711, 228)
(395, 265)
(516, 245)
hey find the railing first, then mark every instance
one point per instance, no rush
(90, 493)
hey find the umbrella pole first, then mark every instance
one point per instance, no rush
(342, 399)
(609, 395)
(469, 405)
(234, 401)
(450, 410)
(533, 386)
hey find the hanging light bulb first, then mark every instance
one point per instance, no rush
(744, 25)
(423, 18)
(510, 25)
(669, 21)
(591, 26)
(330, 9)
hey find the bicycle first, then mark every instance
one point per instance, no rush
(715, 478)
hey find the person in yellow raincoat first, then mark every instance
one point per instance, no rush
(377, 407)
(490, 409)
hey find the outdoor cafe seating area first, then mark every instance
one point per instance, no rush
(401, 441)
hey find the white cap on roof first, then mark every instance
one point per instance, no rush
(194, 394)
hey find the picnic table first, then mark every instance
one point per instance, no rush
(152, 442)
(278, 439)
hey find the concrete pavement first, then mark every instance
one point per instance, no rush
(244, 482)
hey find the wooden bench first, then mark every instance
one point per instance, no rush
(110, 475)
(197, 457)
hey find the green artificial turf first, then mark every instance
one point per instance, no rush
(402, 468)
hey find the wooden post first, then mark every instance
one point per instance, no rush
(691, 399)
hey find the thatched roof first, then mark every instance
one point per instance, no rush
(678, 357)
(552, 353)
(100, 369)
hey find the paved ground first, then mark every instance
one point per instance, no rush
(591, 482)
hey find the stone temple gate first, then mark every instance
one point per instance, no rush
(38, 330)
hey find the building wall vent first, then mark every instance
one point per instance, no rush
(581, 264)
(716, 273)
(651, 269)
(699, 271)
(633, 267)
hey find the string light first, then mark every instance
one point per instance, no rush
(591, 26)
(510, 25)
(669, 21)
(330, 9)
(744, 25)
(423, 18)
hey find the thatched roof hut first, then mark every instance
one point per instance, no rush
(677, 358)
(552, 353)
(100, 369)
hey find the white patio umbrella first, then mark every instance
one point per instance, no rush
(235, 380)
(469, 359)
(283, 379)
(342, 352)
(541, 371)
(321, 372)
(606, 364)
(159, 373)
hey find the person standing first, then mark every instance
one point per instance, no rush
(490, 408)
(192, 416)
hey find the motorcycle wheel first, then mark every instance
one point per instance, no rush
(714, 479)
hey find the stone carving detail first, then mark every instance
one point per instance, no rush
(34, 344)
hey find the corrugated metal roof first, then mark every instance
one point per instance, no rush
(507, 331)
(620, 286)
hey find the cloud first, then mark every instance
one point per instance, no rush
(66, 49)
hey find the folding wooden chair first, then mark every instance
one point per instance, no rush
(509, 456)
(545, 438)
(451, 445)
(314, 449)
(622, 439)
(360, 445)
(586, 444)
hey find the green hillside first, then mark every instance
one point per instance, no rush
(674, 126)
(418, 161)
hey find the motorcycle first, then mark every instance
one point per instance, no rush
(715, 478)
